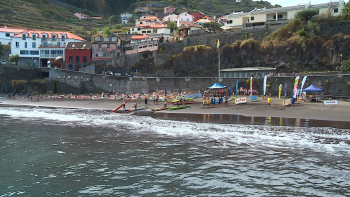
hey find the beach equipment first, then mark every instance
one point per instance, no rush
(158, 109)
(180, 107)
(217, 86)
(237, 87)
(229, 90)
(251, 86)
(241, 100)
(285, 90)
(116, 109)
(295, 89)
(279, 92)
(181, 103)
(133, 109)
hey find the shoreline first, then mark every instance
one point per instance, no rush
(303, 110)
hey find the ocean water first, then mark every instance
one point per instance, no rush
(69, 152)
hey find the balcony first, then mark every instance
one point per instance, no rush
(53, 45)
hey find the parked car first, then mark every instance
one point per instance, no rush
(3, 62)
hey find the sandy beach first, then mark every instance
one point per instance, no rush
(304, 110)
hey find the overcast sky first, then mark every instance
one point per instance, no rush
(284, 3)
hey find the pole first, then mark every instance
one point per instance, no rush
(219, 62)
(341, 63)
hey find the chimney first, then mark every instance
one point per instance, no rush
(214, 17)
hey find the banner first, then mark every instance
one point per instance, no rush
(295, 89)
(229, 91)
(237, 87)
(265, 80)
(251, 86)
(240, 100)
(166, 90)
(279, 92)
(332, 102)
(285, 90)
(302, 85)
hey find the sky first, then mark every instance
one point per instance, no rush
(285, 3)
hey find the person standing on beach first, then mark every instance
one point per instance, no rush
(183, 100)
(293, 101)
(123, 104)
(226, 100)
(204, 102)
(208, 102)
(269, 101)
(135, 106)
(165, 103)
(146, 99)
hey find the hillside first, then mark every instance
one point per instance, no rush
(209, 7)
(40, 14)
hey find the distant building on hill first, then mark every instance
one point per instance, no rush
(258, 17)
(81, 16)
(125, 18)
(169, 10)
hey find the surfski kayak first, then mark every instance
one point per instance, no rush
(186, 103)
(138, 109)
(180, 107)
(159, 109)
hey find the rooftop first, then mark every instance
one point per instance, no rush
(78, 45)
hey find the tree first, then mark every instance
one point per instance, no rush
(118, 26)
(346, 65)
(79, 30)
(212, 26)
(106, 31)
(172, 26)
(346, 10)
(113, 20)
(306, 15)
(1, 50)
(14, 58)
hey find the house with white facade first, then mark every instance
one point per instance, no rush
(171, 17)
(125, 18)
(184, 19)
(36, 48)
(152, 29)
(81, 15)
(148, 20)
(259, 17)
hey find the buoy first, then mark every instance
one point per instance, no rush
(265, 98)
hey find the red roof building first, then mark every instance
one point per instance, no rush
(197, 16)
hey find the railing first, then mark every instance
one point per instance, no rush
(50, 55)
(50, 45)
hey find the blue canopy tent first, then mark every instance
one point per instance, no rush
(217, 86)
(312, 88)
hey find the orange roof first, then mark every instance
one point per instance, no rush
(18, 33)
(149, 17)
(139, 37)
(152, 26)
(97, 17)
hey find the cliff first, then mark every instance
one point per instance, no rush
(297, 47)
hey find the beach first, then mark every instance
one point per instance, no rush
(259, 108)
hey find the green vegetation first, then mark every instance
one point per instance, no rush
(306, 15)
(1, 50)
(212, 26)
(346, 11)
(14, 58)
(346, 65)
(18, 82)
(113, 20)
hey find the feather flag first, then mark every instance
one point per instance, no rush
(295, 90)
(251, 86)
(229, 90)
(279, 91)
(237, 87)
(218, 45)
(265, 80)
(302, 84)
(285, 90)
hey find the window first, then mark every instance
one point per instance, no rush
(34, 52)
(7, 34)
(84, 59)
(23, 52)
(96, 55)
(143, 32)
(188, 19)
(104, 54)
(53, 37)
(17, 44)
(252, 18)
(274, 16)
(138, 29)
(280, 16)
(335, 10)
(45, 44)
(141, 23)
(25, 45)
(34, 45)
(149, 31)
(59, 44)
(185, 14)
(34, 37)
(24, 37)
(63, 38)
(70, 59)
(77, 58)
(43, 37)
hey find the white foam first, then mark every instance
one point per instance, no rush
(225, 134)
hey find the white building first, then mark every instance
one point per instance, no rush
(36, 48)
(125, 18)
(171, 17)
(184, 19)
(259, 17)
